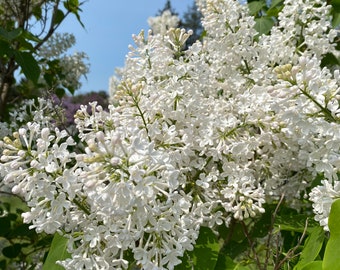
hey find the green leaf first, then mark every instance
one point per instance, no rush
(45, 241)
(336, 5)
(14, 203)
(3, 264)
(37, 12)
(49, 79)
(5, 225)
(238, 233)
(58, 252)
(312, 247)
(79, 20)
(331, 259)
(225, 262)
(256, 6)
(335, 19)
(263, 224)
(72, 5)
(329, 60)
(334, 220)
(275, 3)
(316, 265)
(12, 216)
(58, 17)
(11, 35)
(294, 223)
(12, 251)
(263, 25)
(239, 266)
(70, 89)
(28, 64)
(23, 230)
(205, 253)
(29, 36)
(273, 12)
(5, 49)
(60, 92)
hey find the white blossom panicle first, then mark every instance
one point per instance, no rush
(162, 23)
(57, 45)
(322, 197)
(194, 137)
(72, 67)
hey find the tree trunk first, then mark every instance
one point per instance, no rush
(5, 86)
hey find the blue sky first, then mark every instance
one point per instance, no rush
(109, 25)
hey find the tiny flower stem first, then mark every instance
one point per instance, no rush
(247, 66)
(81, 206)
(135, 101)
(326, 111)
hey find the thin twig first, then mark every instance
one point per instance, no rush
(278, 250)
(291, 253)
(271, 230)
(251, 243)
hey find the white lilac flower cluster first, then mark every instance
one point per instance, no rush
(72, 67)
(40, 110)
(195, 138)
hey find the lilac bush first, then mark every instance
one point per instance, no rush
(71, 104)
(204, 137)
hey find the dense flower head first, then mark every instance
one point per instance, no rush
(41, 110)
(196, 137)
(72, 66)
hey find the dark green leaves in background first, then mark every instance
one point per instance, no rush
(205, 254)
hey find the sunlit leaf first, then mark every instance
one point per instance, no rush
(331, 259)
(263, 25)
(316, 265)
(58, 251)
(335, 19)
(72, 5)
(275, 3)
(256, 6)
(273, 12)
(312, 247)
